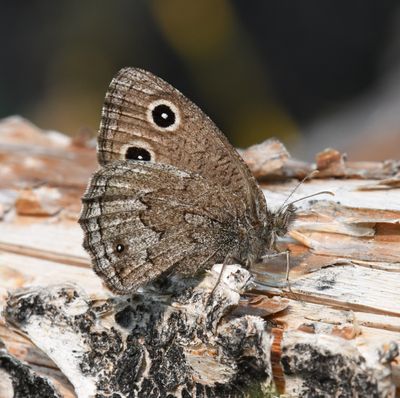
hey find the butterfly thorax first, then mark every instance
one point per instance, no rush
(277, 225)
(260, 236)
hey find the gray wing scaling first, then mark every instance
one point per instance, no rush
(144, 220)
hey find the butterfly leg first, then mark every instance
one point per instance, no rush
(229, 259)
(295, 295)
(287, 254)
(288, 271)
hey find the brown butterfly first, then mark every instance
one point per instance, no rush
(172, 195)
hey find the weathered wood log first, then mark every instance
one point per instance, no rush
(186, 343)
(20, 380)
(334, 332)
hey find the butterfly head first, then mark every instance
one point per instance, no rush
(278, 223)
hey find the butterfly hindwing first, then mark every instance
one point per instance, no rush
(145, 220)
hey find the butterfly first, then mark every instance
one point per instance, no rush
(171, 196)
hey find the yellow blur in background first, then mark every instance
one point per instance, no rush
(314, 74)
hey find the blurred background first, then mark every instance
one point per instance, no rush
(313, 73)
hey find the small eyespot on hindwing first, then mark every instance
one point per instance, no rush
(120, 248)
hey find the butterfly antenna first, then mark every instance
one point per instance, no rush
(310, 196)
(308, 176)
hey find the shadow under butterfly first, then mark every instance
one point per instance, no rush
(172, 196)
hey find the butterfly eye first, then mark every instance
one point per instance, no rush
(136, 153)
(164, 115)
(120, 248)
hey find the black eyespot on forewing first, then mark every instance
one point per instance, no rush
(163, 116)
(136, 153)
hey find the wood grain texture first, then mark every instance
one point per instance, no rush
(336, 290)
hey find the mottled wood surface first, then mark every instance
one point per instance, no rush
(345, 250)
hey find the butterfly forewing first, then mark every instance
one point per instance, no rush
(146, 220)
(145, 118)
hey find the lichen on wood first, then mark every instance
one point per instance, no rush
(184, 343)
